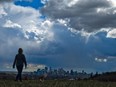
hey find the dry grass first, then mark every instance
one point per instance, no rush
(56, 83)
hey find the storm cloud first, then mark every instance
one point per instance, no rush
(89, 15)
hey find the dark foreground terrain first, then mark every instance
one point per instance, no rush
(56, 83)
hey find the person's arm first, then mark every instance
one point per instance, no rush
(14, 61)
(25, 62)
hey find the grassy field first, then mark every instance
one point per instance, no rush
(56, 83)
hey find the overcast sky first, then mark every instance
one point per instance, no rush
(72, 34)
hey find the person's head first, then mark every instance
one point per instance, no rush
(20, 51)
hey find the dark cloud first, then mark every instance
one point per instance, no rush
(90, 15)
(5, 1)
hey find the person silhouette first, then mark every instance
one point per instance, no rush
(19, 61)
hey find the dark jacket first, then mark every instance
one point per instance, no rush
(20, 60)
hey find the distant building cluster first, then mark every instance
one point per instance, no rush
(61, 73)
(49, 73)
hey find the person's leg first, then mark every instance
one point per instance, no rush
(20, 73)
(17, 77)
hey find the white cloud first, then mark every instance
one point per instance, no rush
(30, 67)
(44, 1)
(72, 2)
(28, 20)
(109, 58)
(10, 24)
(2, 12)
(111, 34)
(22, 27)
(100, 60)
(113, 2)
(36, 66)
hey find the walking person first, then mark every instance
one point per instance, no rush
(19, 62)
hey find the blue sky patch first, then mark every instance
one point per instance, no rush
(34, 4)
